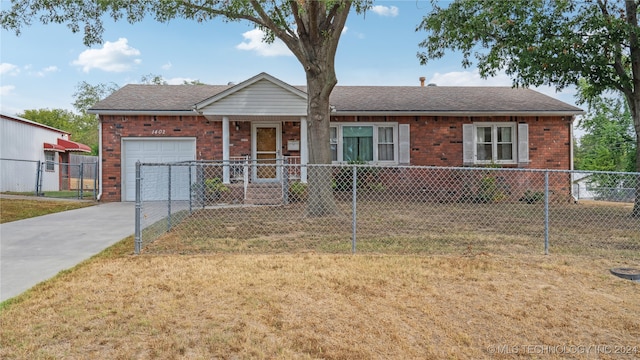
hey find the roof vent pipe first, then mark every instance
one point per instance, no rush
(422, 79)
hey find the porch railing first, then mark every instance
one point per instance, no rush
(238, 166)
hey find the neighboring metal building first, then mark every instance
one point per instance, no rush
(24, 145)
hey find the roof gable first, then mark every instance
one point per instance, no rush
(261, 95)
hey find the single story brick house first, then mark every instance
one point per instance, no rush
(265, 118)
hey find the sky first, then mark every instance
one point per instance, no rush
(43, 66)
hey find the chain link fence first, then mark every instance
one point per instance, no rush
(77, 179)
(194, 207)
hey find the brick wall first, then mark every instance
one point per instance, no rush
(435, 140)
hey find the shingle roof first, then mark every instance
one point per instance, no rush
(444, 99)
(157, 97)
(352, 99)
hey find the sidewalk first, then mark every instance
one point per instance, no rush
(36, 249)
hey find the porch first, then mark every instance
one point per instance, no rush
(262, 144)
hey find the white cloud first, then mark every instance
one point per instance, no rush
(253, 42)
(9, 69)
(391, 11)
(112, 57)
(167, 66)
(45, 71)
(6, 89)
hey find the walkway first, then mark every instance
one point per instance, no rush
(36, 249)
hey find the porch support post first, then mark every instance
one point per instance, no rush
(225, 150)
(304, 149)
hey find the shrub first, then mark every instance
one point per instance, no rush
(367, 178)
(532, 197)
(297, 191)
(210, 190)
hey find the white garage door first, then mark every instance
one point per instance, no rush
(157, 150)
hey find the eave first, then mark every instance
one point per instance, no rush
(143, 112)
(455, 113)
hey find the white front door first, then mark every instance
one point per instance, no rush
(265, 150)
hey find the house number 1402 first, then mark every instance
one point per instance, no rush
(157, 132)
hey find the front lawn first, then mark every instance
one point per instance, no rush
(326, 306)
(18, 209)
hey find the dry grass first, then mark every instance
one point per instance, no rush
(18, 209)
(588, 229)
(311, 306)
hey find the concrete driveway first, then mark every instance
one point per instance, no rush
(36, 249)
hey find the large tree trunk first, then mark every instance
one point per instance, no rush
(319, 25)
(319, 87)
(633, 101)
(633, 94)
(318, 29)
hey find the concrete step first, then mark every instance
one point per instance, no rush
(264, 194)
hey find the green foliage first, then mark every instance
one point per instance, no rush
(540, 42)
(532, 197)
(490, 190)
(192, 82)
(153, 79)
(367, 177)
(209, 190)
(57, 118)
(87, 95)
(297, 191)
(608, 143)
(215, 185)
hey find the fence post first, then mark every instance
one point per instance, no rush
(284, 175)
(138, 230)
(169, 201)
(190, 184)
(38, 174)
(245, 176)
(354, 197)
(546, 212)
(81, 190)
(95, 180)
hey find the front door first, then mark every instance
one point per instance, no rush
(267, 138)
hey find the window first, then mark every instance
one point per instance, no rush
(50, 159)
(357, 143)
(366, 142)
(385, 143)
(495, 143)
(334, 143)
